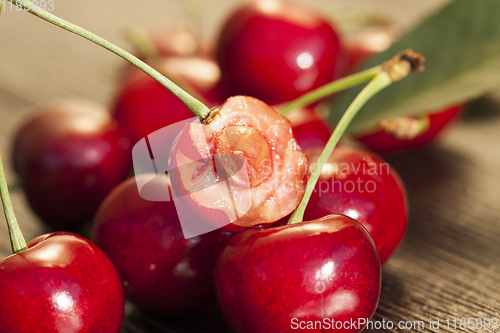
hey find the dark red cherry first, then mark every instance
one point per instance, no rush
(277, 50)
(162, 272)
(62, 283)
(384, 143)
(361, 185)
(69, 155)
(285, 278)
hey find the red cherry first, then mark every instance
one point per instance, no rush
(143, 105)
(162, 272)
(69, 155)
(264, 143)
(310, 130)
(277, 50)
(271, 280)
(62, 283)
(384, 143)
(361, 185)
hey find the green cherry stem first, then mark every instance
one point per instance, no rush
(391, 71)
(17, 241)
(197, 108)
(331, 88)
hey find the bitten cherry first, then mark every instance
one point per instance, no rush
(162, 272)
(361, 185)
(277, 50)
(69, 155)
(275, 279)
(272, 183)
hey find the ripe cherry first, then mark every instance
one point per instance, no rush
(69, 155)
(271, 280)
(361, 185)
(384, 143)
(277, 50)
(60, 282)
(162, 272)
(276, 167)
(142, 105)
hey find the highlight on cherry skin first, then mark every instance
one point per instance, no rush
(69, 154)
(303, 52)
(268, 280)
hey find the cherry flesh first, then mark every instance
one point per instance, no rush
(271, 279)
(274, 162)
(62, 283)
(69, 156)
(361, 185)
(277, 50)
(162, 272)
(384, 143)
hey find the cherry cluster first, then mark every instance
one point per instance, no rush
(73, 160)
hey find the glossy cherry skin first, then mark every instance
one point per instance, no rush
(277, 50)
(62, 283)
(162, 272)
(383, 143)
(361, 185)
(311, 271)
(70, 155)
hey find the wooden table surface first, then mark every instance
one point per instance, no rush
(449, 264)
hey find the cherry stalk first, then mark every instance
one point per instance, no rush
(195, 106)
(331, 88)
(389, 72)
(17, 241)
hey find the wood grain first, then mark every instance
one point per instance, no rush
(449, 264)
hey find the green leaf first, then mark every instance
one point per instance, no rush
(461, 44)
